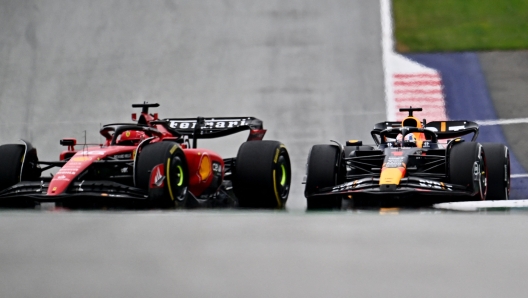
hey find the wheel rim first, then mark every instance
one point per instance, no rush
(176, 184)
(283, 180)
(507, 173)
(283, 185)
(180, 174)
(483, 175)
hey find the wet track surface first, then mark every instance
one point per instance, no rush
(311, 70)
(262, 254)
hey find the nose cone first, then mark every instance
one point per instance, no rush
(391, 176)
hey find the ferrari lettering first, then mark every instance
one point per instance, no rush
(182, 124)
(221, 123)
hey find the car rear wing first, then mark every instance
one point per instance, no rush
(443, 129)
(209, 127)
(454, 128)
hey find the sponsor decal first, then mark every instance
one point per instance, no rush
(156, 177)
(346, 186)
(217, 168)
(394, 162)
(62, 172)
(220, 123)
(455, 128)
(62, 177)
(127, 133)
(82, 158)
(435, 185)
(96, 153)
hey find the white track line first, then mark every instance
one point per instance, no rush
(502, 121)
(387, 46)
(475, 206)
(518, 176)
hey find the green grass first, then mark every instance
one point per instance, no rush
(460, 25)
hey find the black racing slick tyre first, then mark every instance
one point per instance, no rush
(161, 168)
(10, 164)
(262, 175)
(322, 171)
(15, 167)
(498, 163)
(467, 167)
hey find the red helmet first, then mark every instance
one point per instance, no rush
(131, 137)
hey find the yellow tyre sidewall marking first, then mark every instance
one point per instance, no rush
(168, 178)
(275, 159)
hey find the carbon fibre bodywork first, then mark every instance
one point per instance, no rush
(392, 172)
(106, 174)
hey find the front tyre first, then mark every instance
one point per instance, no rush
(16, 165)
(498, 162)
(468, 167)
(323, 171)
(262, 175)
(161, 168)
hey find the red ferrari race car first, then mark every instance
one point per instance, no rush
(408, 166)
(154, 163)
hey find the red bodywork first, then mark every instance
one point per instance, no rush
(202, 163)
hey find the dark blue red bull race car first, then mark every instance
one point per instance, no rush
(152, 163)
(408, 165)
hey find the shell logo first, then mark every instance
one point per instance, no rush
(205, 168)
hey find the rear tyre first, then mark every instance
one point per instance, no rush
(498, 163)
(467, 167)
(10, 164)
(262, 175)
(323, 171)
(161, 169)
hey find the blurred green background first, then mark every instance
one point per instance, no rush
(460, 25)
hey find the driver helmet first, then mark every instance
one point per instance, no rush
(130, 137)
(408, 138)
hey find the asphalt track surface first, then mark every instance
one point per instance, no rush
(311, 70)
(234, 254)
(506, 75)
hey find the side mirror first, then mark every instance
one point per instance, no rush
(69, 142)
